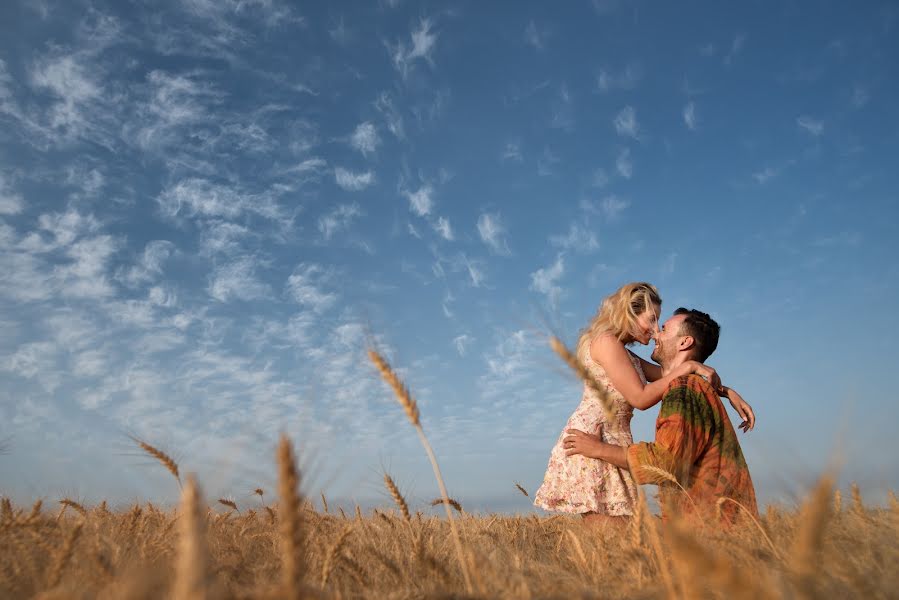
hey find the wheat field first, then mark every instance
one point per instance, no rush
(214, 548)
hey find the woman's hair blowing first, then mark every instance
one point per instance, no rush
(618, 314)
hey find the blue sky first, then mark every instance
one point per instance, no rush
(209, 210)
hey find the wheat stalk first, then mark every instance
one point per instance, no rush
(167, 461)
(289, 510)
(398, 498)
(64, 556)
(640, 510)
(584, 375)
(191, 566)
(411, 407)
(521, 489)
(229, 503)
(582, 558)
(837, 501)
(695, 563)
(333, 551)
(748, 512)
(810, 536)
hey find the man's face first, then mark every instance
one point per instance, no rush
(667, 339)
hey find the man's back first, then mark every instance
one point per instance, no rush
(696, 442)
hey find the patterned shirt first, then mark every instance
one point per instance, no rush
(696, 443)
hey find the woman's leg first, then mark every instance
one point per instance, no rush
(597, 520)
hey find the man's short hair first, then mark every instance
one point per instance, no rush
(703, 329)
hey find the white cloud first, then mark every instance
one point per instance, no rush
(442, 226)
(546, 163)
(365, 138)
(421, 202)
(305, 286)
(860, 96)
(534, 36)
(353, 182)
(493, 233)
(545, 280)
(308, 170)
(237, 281)
(669, 263)
(627, 79)
(202, 198)
(578, 239)
(600, 178)
(66, 78)
(461, 342)
(765, 175)
(175, 102)
(385, 105)
(85, 276)
(624, 165)
(149, 266)
(475, 271)
(690, 119)
(735, 48)
(423, 42)
(338, 220)
(222, 237)
(626, 123)
(612, 206)
(11, 203)
(512, 151)
(812, 126)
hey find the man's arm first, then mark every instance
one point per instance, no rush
(592, 446)
(682, 431)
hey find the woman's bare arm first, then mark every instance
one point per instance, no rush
(652, 371)
(611, 354)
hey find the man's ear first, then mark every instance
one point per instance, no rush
(685, 343)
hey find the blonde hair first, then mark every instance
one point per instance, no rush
(618, 314)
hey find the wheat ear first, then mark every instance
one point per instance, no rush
(229, 503)
(584, 375)
(521, 489)
(289, 512)
(191, 566)
(75, 505)
(167, 461)
(411, 407)
(398, 498)
(457, 506)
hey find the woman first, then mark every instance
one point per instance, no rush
(593, 488)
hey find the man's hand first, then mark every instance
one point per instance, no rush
(578, 442)
(743, 409)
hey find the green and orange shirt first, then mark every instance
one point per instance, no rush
(696, 443)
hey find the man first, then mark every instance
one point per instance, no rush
(695, 441)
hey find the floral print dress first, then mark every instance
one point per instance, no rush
(576, 484)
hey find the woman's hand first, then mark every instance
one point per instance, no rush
(707, 372)
(743, 409)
